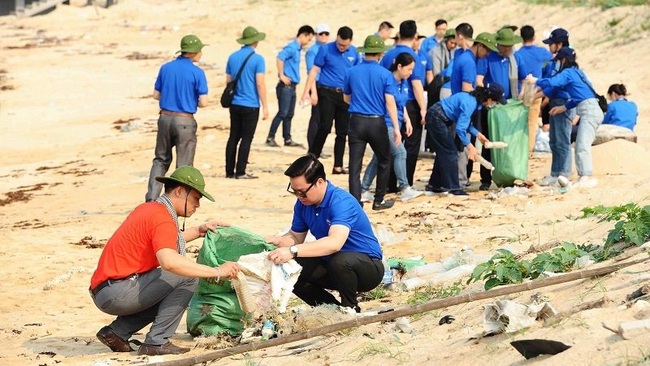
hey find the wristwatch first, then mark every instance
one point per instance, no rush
(294, 250)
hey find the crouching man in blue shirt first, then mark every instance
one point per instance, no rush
(346, 256)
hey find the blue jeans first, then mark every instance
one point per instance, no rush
(560, 140)
(399, 165)
(590, 118)
(172, 131)
(286, 107)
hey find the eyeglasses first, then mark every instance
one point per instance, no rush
(324, 33)
(299, 193)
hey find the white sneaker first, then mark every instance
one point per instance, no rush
(547, 181)
(586, 182)
(367, 196)
(410, 193)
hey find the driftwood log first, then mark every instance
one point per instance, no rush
(400, 312)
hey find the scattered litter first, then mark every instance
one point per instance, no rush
(447, 319)
(521, 192)
(64, 277)
(404, 325)
(510, 316)
(531, 348)
(386, 236)
(630, 329)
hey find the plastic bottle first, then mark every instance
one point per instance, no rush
(268, 330)
(388, 274)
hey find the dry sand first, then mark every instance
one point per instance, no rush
(72, 78)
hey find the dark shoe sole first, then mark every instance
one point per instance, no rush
(107, 336)
(342, 171)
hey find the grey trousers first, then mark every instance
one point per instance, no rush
(156, 297)
(172, 131)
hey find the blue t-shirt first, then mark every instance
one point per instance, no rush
(418, 71)
(535, 58)
(246, 94)
(464, 70)
(290, 55)
(496, 69)
(180, 83)
(334, 64)
(310, 55)
(367, 85)
(621, 112)
(569, 80)
(447, 73)
(401, 94)
(338, 207)
(459, 108)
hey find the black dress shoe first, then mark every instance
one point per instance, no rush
(166, 349)
(229, 176)
(382, 205)
(107, 336)
(339, 171)
(247, 176)
(484, 187)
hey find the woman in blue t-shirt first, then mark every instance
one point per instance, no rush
(402, 69)
(573, 81)
(620, 111)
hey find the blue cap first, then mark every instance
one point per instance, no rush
(565, 53)
(558, 35)
(496, 92)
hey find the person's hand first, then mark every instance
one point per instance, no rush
(280, 255)
(575, 120)
(210, 226)
(472, 153)
(314, 99)
(409, 128)
(265, 113)
(557, 110)
(546, 127)
(279, 241)
(285, 80)
(423, 113)
(481, 137)
(229, 270)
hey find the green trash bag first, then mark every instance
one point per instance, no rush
(214, 308)
(509, 123)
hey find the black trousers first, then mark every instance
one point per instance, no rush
(314, 122)
(368, 130)
(345, 272)
(412, 143)
(332, 108)
(486, 174)
(243, 122)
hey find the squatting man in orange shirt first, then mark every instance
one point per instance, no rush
(143, 277)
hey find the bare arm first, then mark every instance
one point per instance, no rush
(288, 239)
(156, 95)
(260, 81)
(346, 98)
(391, 107)
(203, 100)
(283, 78)
(418, 91)
(479, 80)
(429, 76)
(467, 87)
(175, 263)
(327, 245)
(311, 81)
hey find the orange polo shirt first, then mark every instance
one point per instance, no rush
(132, 248)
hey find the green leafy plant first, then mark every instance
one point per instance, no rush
(501, 269)
(421, 296)
(632, 226)
(560, 259)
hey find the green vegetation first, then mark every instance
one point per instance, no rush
(632, 226)
(420, 296)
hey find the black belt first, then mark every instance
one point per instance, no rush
(176, 114)
(336, 90)
(99, 287)
(366, 115)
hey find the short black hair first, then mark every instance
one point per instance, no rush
(465, 29)
(385, 25)
(408, 29)
(481, 94)
(345, 32)
(619, 89)
(440, 22)
(527, 33)
(403, 59)
(306, 30)
(307, 166)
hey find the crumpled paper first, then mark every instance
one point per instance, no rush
(510, 316)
